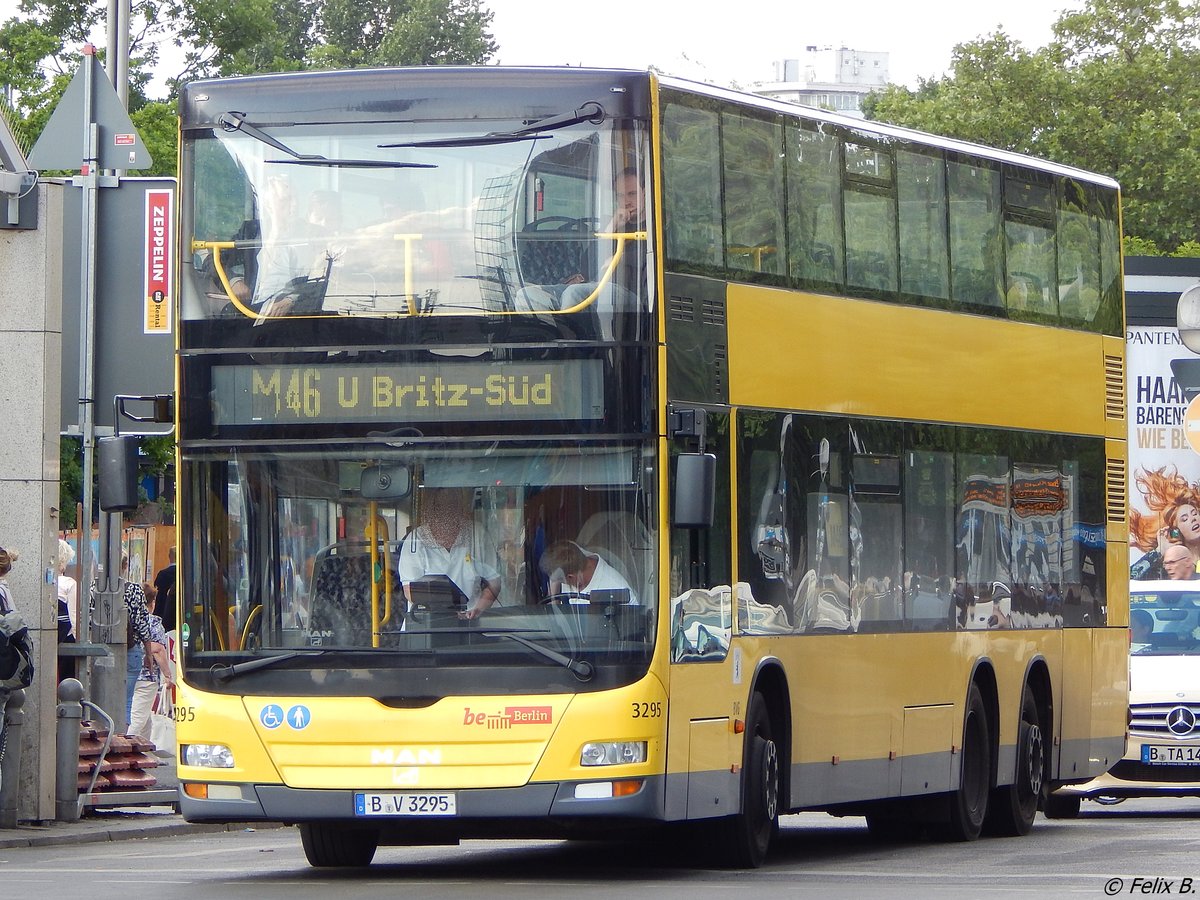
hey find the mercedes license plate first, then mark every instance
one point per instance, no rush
(405, 805)
(1170, 755)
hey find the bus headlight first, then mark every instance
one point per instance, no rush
(208, 756)
(612, 753)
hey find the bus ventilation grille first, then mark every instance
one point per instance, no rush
(720, 366)
(1114, 476)
(1114, 388)
(681, 308)
(713, 311)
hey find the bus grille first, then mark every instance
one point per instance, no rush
(1114, 388)
(1114, 476)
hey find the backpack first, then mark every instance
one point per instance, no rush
(16, 653)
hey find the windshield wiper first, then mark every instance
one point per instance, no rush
(227, 672)
(590, 112)
(580, 668)
(236, 121)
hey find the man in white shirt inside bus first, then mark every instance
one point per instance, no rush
(573, 570)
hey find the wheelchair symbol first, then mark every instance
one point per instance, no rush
(271, 716)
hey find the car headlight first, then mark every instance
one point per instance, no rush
(612, 753)
(208, 756)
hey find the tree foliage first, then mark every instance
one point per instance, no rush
(40, 50)
(1116, 91)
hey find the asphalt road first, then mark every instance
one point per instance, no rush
(1103, 853)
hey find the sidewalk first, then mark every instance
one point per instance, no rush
(118, 824)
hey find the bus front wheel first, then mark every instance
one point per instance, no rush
(741, 841)
(332, 845)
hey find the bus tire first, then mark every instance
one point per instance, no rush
(1059, 806)
(333, 845)
(968, 805)
(741, 841)
(1013, 807)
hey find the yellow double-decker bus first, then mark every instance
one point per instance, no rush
(570, 452)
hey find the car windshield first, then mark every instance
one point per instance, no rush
(1164, 619)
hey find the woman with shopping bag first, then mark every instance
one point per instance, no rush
(155, 674)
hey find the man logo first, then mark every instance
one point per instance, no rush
(1181, 720)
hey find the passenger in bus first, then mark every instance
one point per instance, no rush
(574, 571)
(630, 272)
(628, 279)
(443, 544)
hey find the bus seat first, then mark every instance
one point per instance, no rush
(341, 599)
(550, 257)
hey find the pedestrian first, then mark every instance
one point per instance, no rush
(7, 558)
(138, 642)
(68, 595)
(164, 584)
(155, 669)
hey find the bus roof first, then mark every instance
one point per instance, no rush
(352, 95)
(884, 130)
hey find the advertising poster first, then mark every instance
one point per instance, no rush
(1164, 470)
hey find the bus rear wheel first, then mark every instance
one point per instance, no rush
(968, 805)
(1013, 807)
(332, 845)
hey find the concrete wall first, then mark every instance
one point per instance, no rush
(30, 363)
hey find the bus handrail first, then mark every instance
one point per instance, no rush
(621, 237)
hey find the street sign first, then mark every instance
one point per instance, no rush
(63, 144)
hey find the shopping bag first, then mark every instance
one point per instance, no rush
(162, 721)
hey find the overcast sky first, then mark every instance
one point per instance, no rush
(739, 42)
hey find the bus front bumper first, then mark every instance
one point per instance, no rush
(478, 810)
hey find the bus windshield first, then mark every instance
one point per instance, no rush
(418, 218)
(530, 561)
(1164, 618)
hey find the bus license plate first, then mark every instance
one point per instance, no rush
(1170, 755)
(405, 805)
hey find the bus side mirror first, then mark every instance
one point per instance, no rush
(117, 472)
(385, 482)
(695, 490)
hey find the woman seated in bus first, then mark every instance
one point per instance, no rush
(443, 545)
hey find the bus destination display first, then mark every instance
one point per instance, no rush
(436, 392)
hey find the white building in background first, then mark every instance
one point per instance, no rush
(828, 78)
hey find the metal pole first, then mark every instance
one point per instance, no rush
(87, 279)
(116, 63)
(66, 759)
